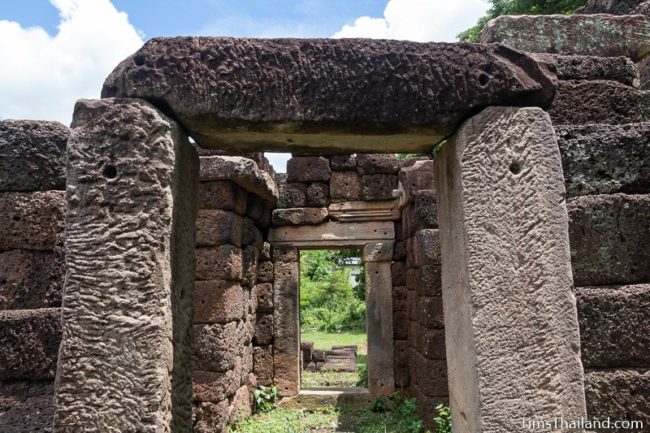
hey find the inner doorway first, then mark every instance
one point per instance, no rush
(333, 333)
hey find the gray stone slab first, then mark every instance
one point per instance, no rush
(509, 307)
(124, 362)
(325, 94)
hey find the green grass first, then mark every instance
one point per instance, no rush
(402, 418)
(325, 341)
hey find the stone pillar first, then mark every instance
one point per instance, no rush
(377, 258)
(124, 362)
(512, 338)
(286, 321)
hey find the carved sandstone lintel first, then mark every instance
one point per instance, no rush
(332, 234)
(358, 211)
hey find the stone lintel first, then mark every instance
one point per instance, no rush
(242, 171)
(333, 234)
(359, 211)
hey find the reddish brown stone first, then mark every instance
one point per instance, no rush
(251, 234)
(265, 272)
(428, 280)
(345, 186)
(581, 102)
(425, 209)
(218, 301)
(622, 395)
(298, 216)
(378, 186)
(241, 405)
(222, 194)
(26, 406)
(263, 364)
(259, 211)
(263, 330)
(215, 227)
(221, 263)
(377, 163)
(216, 347)
(401, 350)
(308, 169)
(29, 279)
(614, 326)
(429, 312)
(249, 266)
(215, 386)
(431, 376)
(318, 194)
(431, 343)
(398, 273)
(424, 248)
(210, 417)
(609, 237)
(400, 326)
(399, 250)
(264, 297)
(32, 155)
(402, 378)
(292, 195)
(31, 220)
(343, 162)
(30, 343)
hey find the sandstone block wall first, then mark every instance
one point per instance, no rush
(601, 116)
(32, 212)
(232, 298)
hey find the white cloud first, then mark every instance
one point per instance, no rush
(41, 76)
(418, 20)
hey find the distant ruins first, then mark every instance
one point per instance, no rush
(149, 282)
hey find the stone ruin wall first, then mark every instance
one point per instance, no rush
(601, 119)
(601, 115)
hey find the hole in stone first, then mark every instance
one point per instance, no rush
(110, 171)
(483, 79)
(16, 218)
(138, 60)
(515, 168)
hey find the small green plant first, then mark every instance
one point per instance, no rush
(362, 371)
(443, 419)
(265, 398)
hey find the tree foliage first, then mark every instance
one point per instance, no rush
(520, 7)
(328, 302)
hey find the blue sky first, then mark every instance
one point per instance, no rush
(58, 51)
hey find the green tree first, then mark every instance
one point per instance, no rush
(520, 7)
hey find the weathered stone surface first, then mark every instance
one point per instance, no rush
(379, 323)
(318, 194)
(250, 261)
(221, 263)
(241, 406)
(29, 279)
(614, 326)
(286, 347)
(398, 273)
(216, 347)
(32, 155)
(610, 235)
(308, 169)
(430, 376)
(224, 195)
(298, 216)
(263, 330)
(364, 211)
(265, 272)
(324, 94)
(216, 227)
(30, 343)
(285, 254)
(425, 209)
(215, 386)
(619, 395)
(125, 354)
(264, 293)
(242, 171)
(31, 220)
(378, 252)
(343, 162)
(265, 252)
(263, 364)
(218, 301)
(613, 7)
(506, 275)
(377, 163)
(605, 159)
(345, 186)
(210, 417)
(580, 102)
(291, 194)
(251, 234)
(414, 178)
(333, 234)
(620, 69)
(378, 186)
(431, 343)
(424, 248)
(26, 407)
(589, 35)
(259, 211)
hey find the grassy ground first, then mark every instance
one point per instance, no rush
(401, 419)
(325, 341)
